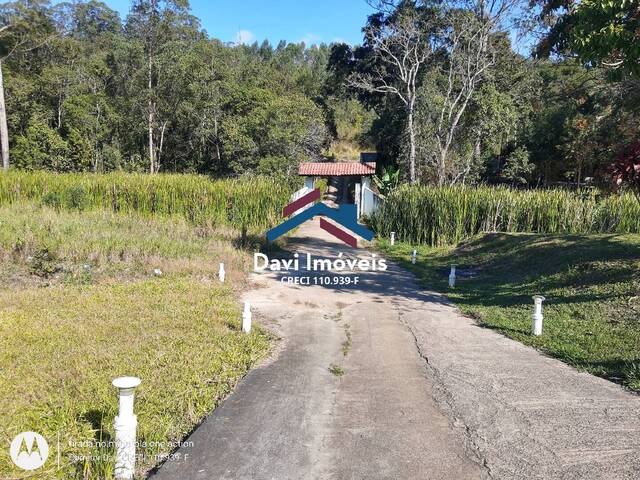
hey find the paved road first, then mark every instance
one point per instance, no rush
(425, 394)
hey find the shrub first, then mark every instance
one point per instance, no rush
(44, 263)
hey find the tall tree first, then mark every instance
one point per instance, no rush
(23, 27)
(472, 43)
(155, 23)
(400, 44)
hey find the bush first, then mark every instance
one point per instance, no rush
(52, 199)
(44, 263)
(77, 198)
(41, 147)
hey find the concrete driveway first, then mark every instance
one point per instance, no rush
(383, 380)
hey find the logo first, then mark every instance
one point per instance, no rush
(345, 215)
(29, 450)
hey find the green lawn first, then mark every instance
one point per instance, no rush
(591, 283)
(80, 305)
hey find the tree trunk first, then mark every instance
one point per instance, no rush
(442, 165)
(59, 111)
(152, 151)
(412, 146)
(579, 174)
(96, 155)
(215, 132)
(4, 132)
(159, 154)
(477, 150)
(474, 159)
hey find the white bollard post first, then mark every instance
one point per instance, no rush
(536, 327)
(246, 318)
(221, 272)
(125, 425)
(413, 257)
(393, 238)
(452, 276)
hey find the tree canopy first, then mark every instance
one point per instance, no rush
(437, 88)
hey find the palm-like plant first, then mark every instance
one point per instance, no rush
(388, 181)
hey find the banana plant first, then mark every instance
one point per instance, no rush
(388, 181)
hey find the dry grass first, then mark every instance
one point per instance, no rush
(91, 310)
(344, 151)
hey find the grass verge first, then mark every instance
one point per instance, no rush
(591, 283)
(80, 305)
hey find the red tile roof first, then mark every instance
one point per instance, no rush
(330, 169)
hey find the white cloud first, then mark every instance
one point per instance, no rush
(310, 39)
(245, 37)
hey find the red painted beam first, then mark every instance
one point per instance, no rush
(301, 202)
(338, 233)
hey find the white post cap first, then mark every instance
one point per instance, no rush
(126, 382)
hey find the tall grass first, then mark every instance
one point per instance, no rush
(442, 216)
(247, 203)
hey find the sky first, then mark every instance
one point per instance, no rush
(311, 21)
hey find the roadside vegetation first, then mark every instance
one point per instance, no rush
(89, 296)
(138, 152)
(591, 285)
(249, 203)
(447, 215)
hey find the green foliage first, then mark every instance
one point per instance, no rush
(78, 96)
(388, 182)
(351, 120)
(570, 116)
(42, 148)
(441, 216)
(81, 101)
(273, 133)
(251, 203)
(600, 31)
(517, 167)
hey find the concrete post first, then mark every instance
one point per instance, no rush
(452, 276)
(221, 273)
(413, 257)
(393, 238)
(246, 318)
(125, 426)
(536, 326)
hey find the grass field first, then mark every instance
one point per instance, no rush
(80, 305)
(591, 283)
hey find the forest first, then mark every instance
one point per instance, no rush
(437, 88)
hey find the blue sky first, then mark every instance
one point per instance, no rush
(312, 21)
